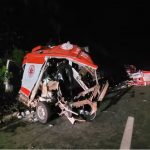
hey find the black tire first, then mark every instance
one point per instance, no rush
(87, 113)
(43, 112)
(88, 116)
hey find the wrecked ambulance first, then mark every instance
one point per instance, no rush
(61, 79)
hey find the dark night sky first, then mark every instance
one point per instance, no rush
(114, 30)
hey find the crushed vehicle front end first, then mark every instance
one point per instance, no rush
(63, 78)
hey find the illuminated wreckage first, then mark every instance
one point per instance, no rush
(137, 77)
(61, 79)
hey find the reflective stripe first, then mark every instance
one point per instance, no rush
(25, 91)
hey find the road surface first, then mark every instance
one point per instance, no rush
(105, 132)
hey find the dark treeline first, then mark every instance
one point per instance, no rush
(27, 23)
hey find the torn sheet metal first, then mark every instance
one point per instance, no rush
(64, 78)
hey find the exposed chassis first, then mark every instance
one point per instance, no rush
(52, 79)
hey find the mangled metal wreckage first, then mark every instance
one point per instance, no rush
(137, 77)
(61, 79)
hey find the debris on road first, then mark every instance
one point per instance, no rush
(19, 117)
(137, 77)
(50, 125)
(144, 100)
(26, 115)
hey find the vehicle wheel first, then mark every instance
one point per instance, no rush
(87, 113)
(88, 116)
(43, 112)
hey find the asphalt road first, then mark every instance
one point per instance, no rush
(105, 132)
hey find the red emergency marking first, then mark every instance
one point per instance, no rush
(31, 71)
(25, 91)
(76, 55)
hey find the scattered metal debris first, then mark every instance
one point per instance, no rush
(50, 125)
(137, 77)
(144, 100)
(19, 117)
(26, 116)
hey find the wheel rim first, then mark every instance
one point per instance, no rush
(88, 114)
(41, 112)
